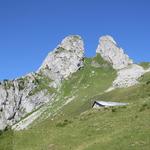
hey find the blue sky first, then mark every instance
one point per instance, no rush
(29, 29)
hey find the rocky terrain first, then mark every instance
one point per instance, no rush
(127, 71)
(112, 53)
(64, 60)
(25, 95)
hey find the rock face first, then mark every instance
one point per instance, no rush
(127, 72)
(128, 76)
(27, 94)
(66, 59)
(110, 52)
(20, 97)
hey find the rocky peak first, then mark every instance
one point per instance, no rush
(127, 72)
(112, 53)
(65, 59)
(28, 93)
(72, 43)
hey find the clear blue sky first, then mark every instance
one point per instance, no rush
(29, 29)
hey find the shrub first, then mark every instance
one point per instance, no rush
(148, 82)
(144, 107)
(1, 132)
(64, 123)
(113, 110)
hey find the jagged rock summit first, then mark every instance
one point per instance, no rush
(66, 59)
(27, 94)
(127, 71)
(110, 52)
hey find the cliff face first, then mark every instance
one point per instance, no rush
(66, 59)
(26, 94)
(22, 96)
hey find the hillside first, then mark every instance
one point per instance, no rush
(68, 121)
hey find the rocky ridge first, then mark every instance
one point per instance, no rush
(27, 94)
(66, 59)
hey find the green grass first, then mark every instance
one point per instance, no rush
(145, 65)
(126, 128)
(6, 140)
(145, 78)
(85, 83)
(132, 94)
(76, 126)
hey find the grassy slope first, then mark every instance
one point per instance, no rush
(78, 127)
(145, 65)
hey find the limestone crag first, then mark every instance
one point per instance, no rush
(127, 71)
(128, 76)
(26, 94)
(66, 59)
(110, 52)
(20, 97)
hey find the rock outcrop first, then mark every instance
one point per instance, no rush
(66, 59)
(20, 97)
(128, 76)
(27, 94)
(127, 71)
(110, 52)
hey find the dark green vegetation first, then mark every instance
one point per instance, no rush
(59, 49)
(76, 126)
(42, 83)
(7, 84)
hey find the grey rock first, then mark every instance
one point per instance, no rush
(27, 94)
(110, 52)
(16, 102)
(66, 59)
(127, 71)
(128, 76)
